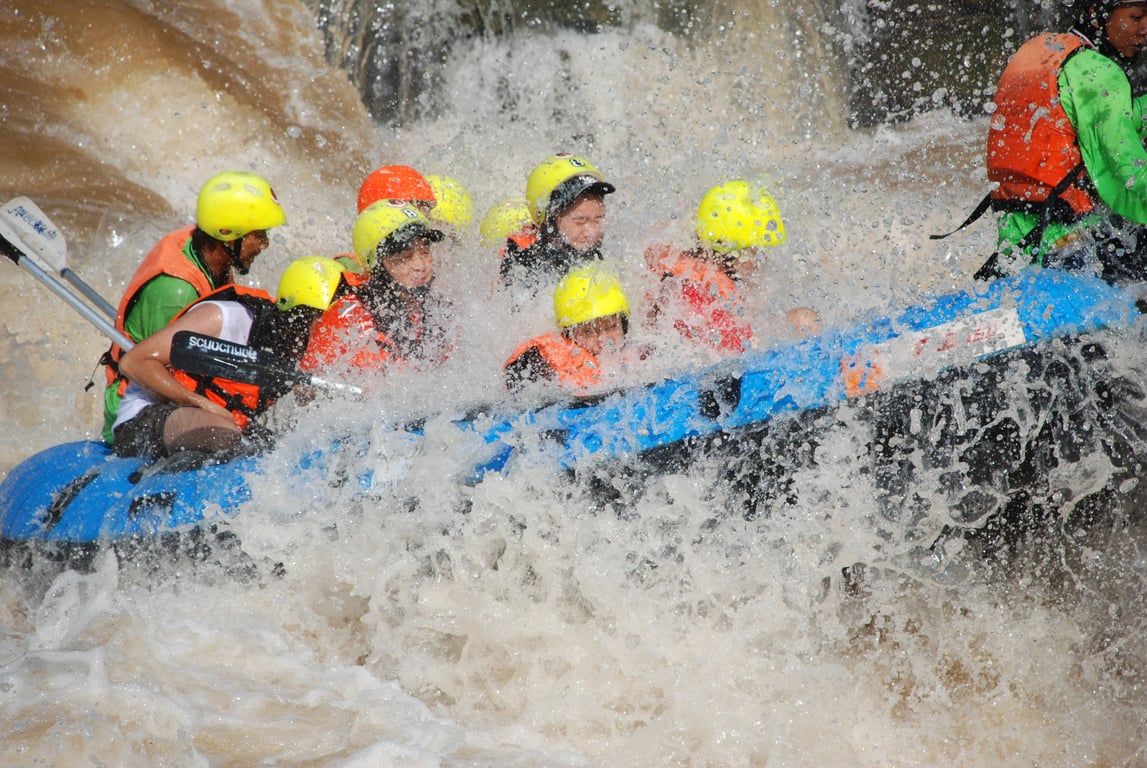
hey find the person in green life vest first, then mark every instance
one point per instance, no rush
(233, 213)
(1065, 149)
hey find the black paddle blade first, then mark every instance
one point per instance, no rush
(202, 355)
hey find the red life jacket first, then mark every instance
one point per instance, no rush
(241, 399)
(1032, 145)
(166, 258)
(572, 365)
(710, 293)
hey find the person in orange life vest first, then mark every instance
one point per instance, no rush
(592, 313)
(508, 219)
(166, 410)
(566, 196)
(1065, 149)
(233, 213)
(391, 182)
(390, 316)
(699, 289)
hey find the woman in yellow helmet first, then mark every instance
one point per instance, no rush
(700, 288)
(390, 315)
(592, 314)
(233, 213)
(566, 199)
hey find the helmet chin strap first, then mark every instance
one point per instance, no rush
(235, 250)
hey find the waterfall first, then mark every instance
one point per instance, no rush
(513, 622)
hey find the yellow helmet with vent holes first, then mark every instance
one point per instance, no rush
(589, 293)
(235, 203)
(739, 214)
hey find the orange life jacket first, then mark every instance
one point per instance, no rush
(521, 240)
(241, 399)
(1032, 145)
(524, 237)
(345, 332)
(166, 258)
(708, 291)
(572, 365)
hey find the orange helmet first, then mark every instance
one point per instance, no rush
(395, 182)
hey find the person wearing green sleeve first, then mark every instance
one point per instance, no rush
(1065, 149)
(233, 212)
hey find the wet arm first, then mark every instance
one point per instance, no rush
(1097, 98)
(146, 364)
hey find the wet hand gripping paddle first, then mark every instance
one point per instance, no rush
(30, 239)
(209, 356)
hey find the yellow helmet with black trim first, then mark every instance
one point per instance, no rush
(234, 203)
(560, 180)
(589, 293)
(454, 206)
(737, 215)
(387, 227)
(310, 281)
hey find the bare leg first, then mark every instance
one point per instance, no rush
(193, 429)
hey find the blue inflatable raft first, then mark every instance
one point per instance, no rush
(80, 493)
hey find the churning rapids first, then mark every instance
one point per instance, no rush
(521, 622)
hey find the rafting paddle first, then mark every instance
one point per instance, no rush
(25, 230)
(209, 356)
(46, 247)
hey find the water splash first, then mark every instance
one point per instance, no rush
(529, 620)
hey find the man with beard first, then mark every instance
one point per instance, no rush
(233, 213)
(700, 288)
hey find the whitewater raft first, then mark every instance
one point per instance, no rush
(80, 493)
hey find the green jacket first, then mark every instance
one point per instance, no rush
(1096, 95)
(156, 303)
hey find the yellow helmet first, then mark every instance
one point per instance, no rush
(504, 219)
(737, 215)
(387, 227)
(587, 294)
(454, 206)
(310, 281)
(560, 180)
(234, 203)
